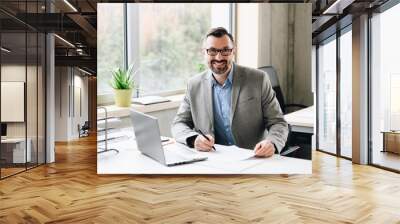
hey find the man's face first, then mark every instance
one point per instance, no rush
(219, 53)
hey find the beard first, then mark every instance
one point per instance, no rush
(219, 67)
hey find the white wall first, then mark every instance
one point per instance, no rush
(15, 72)
(247, 34)
(70, 83)
(61, 104)
(278, 35)
(12, 73)
(80, 109)
(33, 126)
(302, 82)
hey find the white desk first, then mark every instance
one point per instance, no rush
(130, 161)
(302, 120)
(18, 150)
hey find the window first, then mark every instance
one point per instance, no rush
(165, 42)
(394, 101)
(327, 95)
(334, 106)
(385, 84)
(22, 76)
(346, 93)
(110, 55)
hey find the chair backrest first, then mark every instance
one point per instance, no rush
(273, 77)
(86, 126)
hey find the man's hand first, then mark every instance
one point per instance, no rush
(168, 141)
(202, 144)
(265, 148)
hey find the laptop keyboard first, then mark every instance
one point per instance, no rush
(172, 157)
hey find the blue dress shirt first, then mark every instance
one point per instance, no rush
(222, 110)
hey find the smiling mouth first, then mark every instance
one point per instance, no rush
(221, 63)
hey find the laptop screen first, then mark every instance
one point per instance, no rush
(147, 134)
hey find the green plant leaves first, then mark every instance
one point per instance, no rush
(122, 79)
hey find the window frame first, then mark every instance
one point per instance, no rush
(371, 15)
(342, 32)
(131, 52)
(333, 37)
(108, 97)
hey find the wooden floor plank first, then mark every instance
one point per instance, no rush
(70, 191)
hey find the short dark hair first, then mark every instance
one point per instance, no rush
(219, 32)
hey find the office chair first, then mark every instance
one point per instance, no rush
(297, 145)
(84, 130)
(273, 77)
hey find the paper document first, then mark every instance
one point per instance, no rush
(231, 153)
(231, 158)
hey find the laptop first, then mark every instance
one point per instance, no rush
(148, 140)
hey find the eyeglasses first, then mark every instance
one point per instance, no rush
(224, 52)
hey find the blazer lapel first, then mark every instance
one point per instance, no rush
(237, 81)
(208, 101)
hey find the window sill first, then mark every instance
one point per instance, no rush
(114, 111)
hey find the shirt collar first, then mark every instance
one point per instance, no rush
(230, 76)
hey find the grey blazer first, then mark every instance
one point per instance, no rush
(255, 111)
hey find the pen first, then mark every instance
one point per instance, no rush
(206, 138)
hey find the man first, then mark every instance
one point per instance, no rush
(230, 104)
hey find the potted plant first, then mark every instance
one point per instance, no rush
(123, 84)
(201, 67)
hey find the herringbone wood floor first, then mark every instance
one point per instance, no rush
(70, 191)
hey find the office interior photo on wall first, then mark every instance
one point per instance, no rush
(213, 88)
